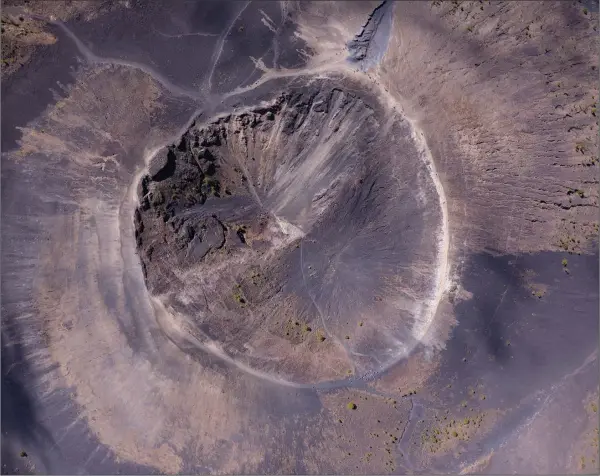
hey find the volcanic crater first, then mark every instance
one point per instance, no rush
(301, 231)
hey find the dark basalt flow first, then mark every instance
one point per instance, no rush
(300, 226)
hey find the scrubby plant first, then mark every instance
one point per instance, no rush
(239, 298)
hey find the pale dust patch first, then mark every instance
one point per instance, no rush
(105, 105)
(102, 374)
(312, 359)
(411, 374)
(440, 329)
(132, 407)
(584, 451)
(537, 290)
(327, 27)
(479, 466)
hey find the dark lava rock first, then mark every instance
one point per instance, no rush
(210, 234)
(162, 166)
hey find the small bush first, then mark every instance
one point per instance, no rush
(239, 298)
(351, 406)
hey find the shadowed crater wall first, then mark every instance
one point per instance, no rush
(299, 238)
